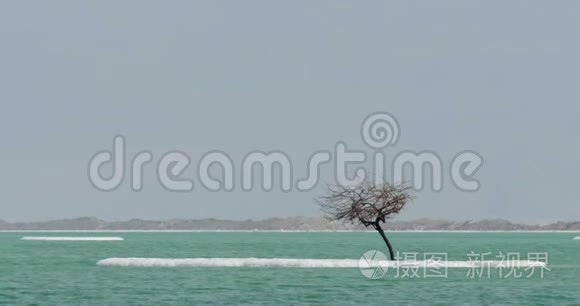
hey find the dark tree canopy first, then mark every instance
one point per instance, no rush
(367, 203)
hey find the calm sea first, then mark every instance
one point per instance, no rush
(65, 272)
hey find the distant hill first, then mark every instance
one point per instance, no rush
(291, 223)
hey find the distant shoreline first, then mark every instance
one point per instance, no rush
(286, 231)
(289, 224)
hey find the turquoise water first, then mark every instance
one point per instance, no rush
(64, 272)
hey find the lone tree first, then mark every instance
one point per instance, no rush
(367, 203)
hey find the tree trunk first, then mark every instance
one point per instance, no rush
(378, 227)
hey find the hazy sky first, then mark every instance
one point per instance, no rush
(498, 77)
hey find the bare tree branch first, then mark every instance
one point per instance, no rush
(366, 203)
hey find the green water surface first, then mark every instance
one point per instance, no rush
(65, 272)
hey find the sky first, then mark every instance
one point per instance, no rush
(500, 78)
